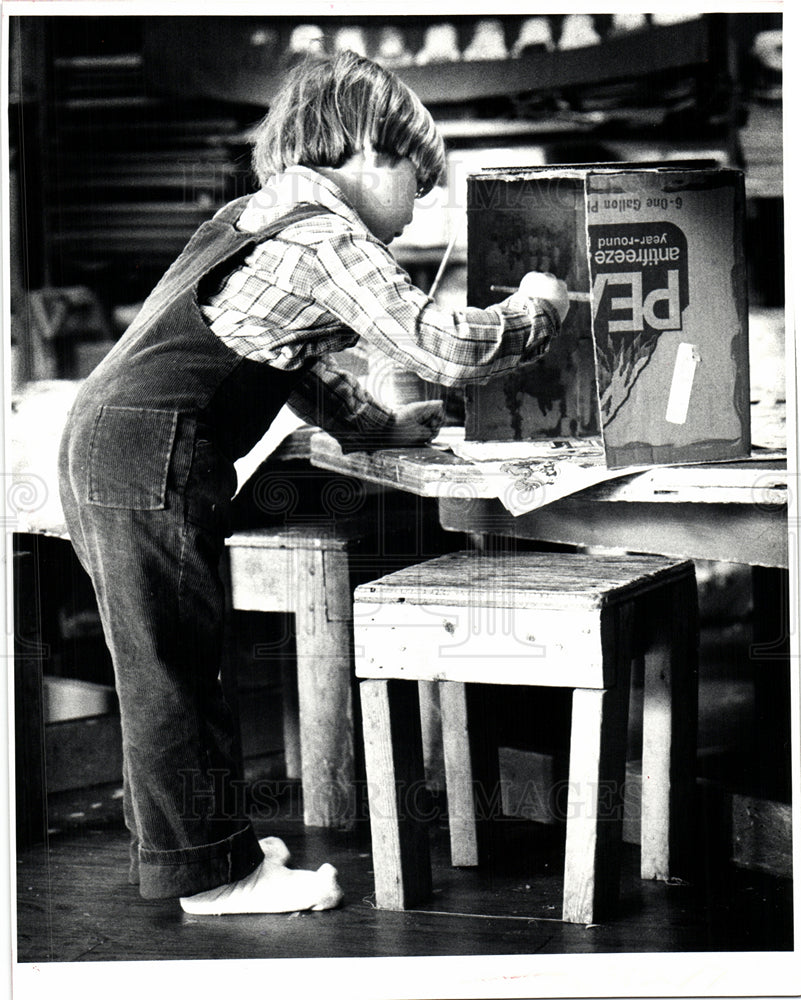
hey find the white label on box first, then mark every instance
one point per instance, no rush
(687, 360)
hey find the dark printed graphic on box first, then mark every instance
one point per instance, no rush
(639, 289)
(669, 314)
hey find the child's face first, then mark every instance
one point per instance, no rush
(386, 192)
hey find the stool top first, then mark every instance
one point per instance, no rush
(537, 580)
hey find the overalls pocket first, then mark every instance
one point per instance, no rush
(129, 457)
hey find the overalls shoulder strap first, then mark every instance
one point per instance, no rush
(214, 242)
(229, 214)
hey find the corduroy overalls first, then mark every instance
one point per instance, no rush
(146, 478)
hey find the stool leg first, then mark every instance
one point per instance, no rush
(594, 808)
(431, 722)
(670, 713)
(458, 774)
(472, 770)
(598, 736)
(393, 758)
(325, 705)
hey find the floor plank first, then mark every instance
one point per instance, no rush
(74, 903)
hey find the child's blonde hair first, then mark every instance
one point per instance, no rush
(331, 107)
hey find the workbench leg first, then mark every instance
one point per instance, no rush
(670, 725)
(229, 679)
(325, 703)
(770, 656)
(29, 722)
(396, 788)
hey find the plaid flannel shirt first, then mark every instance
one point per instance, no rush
(325, 282)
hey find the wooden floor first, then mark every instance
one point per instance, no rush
(80, 922)
(75, 905)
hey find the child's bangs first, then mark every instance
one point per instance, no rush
(406, 129)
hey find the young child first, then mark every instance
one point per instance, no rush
(242, 323)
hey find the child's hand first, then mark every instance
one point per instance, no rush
(416, 423)
(536, 285)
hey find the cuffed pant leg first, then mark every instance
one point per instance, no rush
(162, 609)
(161, 603)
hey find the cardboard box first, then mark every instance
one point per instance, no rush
(656, 361)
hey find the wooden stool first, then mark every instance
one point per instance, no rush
(472, 621)
(304, 569)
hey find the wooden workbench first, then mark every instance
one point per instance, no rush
(732, 512)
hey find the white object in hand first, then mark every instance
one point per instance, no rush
(537, 285)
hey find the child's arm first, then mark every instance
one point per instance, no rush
(357, 281)
(416, 423)
(334, 400)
